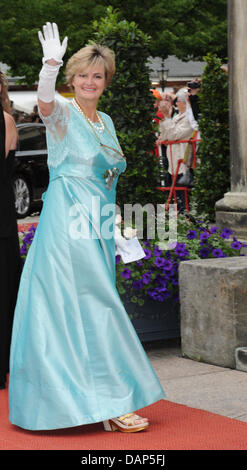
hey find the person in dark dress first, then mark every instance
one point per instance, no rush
(10, 260)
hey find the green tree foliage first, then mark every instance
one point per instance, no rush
(130, 104)
(21, 20)
(213, 170)
(186, 28)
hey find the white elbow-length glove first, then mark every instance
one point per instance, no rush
(52, 49)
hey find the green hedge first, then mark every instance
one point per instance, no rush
(130, 104)
(212, 176)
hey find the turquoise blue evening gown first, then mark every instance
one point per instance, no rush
(75, 356)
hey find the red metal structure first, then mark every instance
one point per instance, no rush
(173, 188)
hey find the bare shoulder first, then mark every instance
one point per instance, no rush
(9, 121)
(11, 133)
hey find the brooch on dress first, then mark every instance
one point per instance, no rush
(109, 176)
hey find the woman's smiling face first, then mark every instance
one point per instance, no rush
(90, 83)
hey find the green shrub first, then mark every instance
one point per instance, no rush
(212, 176)
(130, 104)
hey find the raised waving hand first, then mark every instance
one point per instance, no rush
(51, 44)
(53, 52)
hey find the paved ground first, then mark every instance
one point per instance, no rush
(199, 385)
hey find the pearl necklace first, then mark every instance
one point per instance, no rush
(94, 128)
(98, 126)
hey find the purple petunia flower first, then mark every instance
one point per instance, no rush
(164, 295)
(126, 273)
(159, 297)
(151, 293)
(162, 285)
(191, 235)
(218, 253)
(155, 294)
(204, 236)
(146, 278)
(148, 253)
(157, 251)
(204, 252)
(117, 259)
(159, 294)
(226, 233)
(28, 238)
(236, 245)
(214, 229)
(167, 266)
(159, 262)
(181, 250)
(23, 250)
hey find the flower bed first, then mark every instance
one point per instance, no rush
(156, 275)
(26, 235)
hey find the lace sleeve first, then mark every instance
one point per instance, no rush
(56, 125)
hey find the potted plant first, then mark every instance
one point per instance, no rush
(150, 287)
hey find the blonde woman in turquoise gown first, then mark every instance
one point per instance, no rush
(75, 356)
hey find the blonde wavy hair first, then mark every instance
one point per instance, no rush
(4, 97)
(89, 56)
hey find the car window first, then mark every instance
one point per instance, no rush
(32, 138)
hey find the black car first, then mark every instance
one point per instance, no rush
(31, 175)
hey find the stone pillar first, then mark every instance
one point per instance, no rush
(213, 296)
(231, 211)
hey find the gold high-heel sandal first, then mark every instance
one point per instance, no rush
(125, 423)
